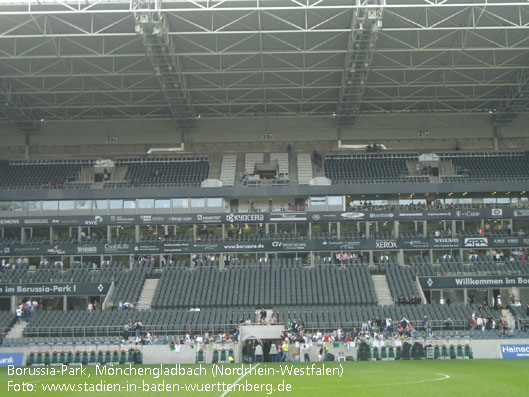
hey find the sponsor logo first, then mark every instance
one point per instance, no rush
(245, 218)
(9, 221)
(497, 212)
(180, 219)
(505, 241)
(516, 213)
(386, 244)
(316, 217)
(209, 218)
(56, 251)
(11, 359)
(381, 216)
(439, 214)
(288, 217)
(289, 245)
(476, 242)
(467, 214)
(207, 247)
(145, 218)
(429, 282)
(352, 215)
(55, 221)
(410, 214)
(417, 243)
(151, 248)
(39, 221)
(6, 250)
(243, 246)
(87, 250)
(116, 247)
(97, 220)
(123, 219)
(514, 351)
(446, 240)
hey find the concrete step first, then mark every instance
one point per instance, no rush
(382, 290)
(147, 293)
(17, 330)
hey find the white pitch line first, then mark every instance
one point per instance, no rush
(441, 378)
(237, 381)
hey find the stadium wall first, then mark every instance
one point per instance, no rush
(399, 132)
(156, 354)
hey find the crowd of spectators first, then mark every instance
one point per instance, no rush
(27, 309)
(407, 300)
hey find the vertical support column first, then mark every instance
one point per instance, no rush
(401, 257)
(368, 232)
(137, 233)
(26, 147)
(453, 228)
(109, 234)
(13, 303)
(424, 229)
(64, 303)
(396, 229)
(371, 257)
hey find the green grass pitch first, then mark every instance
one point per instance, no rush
(407, 378)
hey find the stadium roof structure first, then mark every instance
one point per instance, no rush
(176, 59)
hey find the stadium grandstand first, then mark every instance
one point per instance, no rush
(232, 175)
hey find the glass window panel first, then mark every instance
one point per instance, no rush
(214, 202)
(83, 204)
(34, 205)
(101, 204)
(145, 203)
(130, 204)
(162, 204)
(50, 205)
(66, 205)
(6, 206)
(335, 200)
(180, 203)
(21, 205)
(317, 201)
(116, 204)
(197, 203)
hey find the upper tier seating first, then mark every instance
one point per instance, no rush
(41, 174)
(164, 173)
(207, 287)
(507, 167)
(369, 170)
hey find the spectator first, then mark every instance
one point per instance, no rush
(258, 353)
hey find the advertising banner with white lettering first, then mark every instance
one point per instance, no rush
(54, 289)
(14, 359)
(481, 282)
(263, 217)
(514, 351)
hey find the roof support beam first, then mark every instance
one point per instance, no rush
(365, 25)
(517, 101)
(153, 28)
(15, 109)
